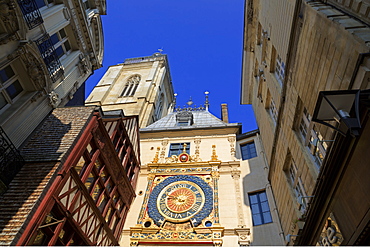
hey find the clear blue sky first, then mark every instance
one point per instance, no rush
(202, 38)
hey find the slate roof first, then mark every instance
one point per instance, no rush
(44, 153)
(201, 118)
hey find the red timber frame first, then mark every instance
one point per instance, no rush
(89, 198)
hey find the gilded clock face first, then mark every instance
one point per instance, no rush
(180, 200)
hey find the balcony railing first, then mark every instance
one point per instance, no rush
(50, 57)
(10, 159)
(31, 13)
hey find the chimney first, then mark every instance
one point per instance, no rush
(224, 113)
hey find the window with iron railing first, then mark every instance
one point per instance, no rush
(31, 13)
(11, 160)
(50, 56)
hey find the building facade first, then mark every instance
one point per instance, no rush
(292, 51)
(140, 86)
(47, 51)
(201, 184)
(77, 183)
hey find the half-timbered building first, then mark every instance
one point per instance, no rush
(77, 183)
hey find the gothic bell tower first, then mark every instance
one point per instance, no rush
(139, 86)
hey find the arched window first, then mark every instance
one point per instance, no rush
(158, 112)
(131, 86)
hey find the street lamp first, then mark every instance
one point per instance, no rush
(336, 106)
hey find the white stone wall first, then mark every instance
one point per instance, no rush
(237, 178)
(155, 80)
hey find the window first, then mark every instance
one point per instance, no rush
(317, 146)
(297, 184)
(61, 43)
(279, 69)
(158, 110)
(260, 208)
(178, 148)
(273, 111)
(131, 86)
(310, 134)
(47, 48)
(248, 150)
(42, 3)
(292, 172)
(86, 4)
(95, 176)
(10, 87)
(183, 123)
(305, 123)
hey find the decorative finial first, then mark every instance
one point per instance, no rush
(174, 101)
(190, 102)
(214, 155)
(160, 50)
(184, 150)
(206, 103)
(156, 159)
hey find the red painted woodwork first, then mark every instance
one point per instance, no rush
(88, 200)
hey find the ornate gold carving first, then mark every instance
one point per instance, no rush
(232, 139)
(214, 156)
(134, 243)
(163, 152)
(244, 236)
(156, 159)
(197, 153)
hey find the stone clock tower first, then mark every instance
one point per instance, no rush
(140, 86)
(189, 189)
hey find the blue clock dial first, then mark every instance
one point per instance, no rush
(180, 198)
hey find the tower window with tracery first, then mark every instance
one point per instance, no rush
(131, 86)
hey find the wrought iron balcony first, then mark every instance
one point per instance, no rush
(10, 159)
(50, 57)
(31, 13)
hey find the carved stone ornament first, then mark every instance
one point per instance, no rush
(244, 236)
(34, 66)
(53, 99)
(83, 65)
(8, 17)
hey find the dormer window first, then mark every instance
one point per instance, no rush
(184, 118)
(183, 123)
